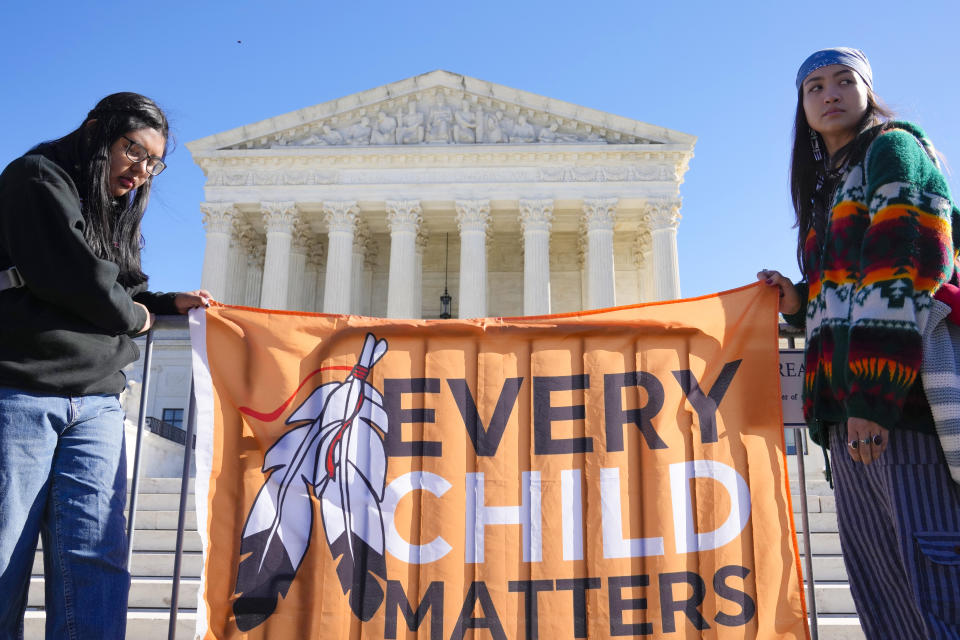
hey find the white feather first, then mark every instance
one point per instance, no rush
(312, 407)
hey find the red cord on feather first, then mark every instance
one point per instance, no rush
(360, 372)
(273, 415)
(331, 465)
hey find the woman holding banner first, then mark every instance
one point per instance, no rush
(71, 295)
(874, 216)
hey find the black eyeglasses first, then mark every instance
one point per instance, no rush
(136, 152)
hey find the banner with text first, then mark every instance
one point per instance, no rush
(590, 475)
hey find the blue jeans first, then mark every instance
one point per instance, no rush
(63, 476)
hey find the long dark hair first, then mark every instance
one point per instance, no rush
(112, 226)
(805, 170)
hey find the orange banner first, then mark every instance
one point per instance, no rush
(591, 475)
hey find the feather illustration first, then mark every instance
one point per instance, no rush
(338, 455)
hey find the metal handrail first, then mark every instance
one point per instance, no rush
(165, 430)
(180, 322)
(135, 481)
(182, 514)
(791, 334)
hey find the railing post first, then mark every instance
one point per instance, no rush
(181, 517)
(804, 514)
(141, 419)
(807, 550)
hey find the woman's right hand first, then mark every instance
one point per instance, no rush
(150, 318)
(789, 296)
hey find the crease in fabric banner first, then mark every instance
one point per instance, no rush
(601, 474)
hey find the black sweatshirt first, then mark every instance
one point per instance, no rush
(66, 332)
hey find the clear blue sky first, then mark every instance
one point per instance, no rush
(722, 71)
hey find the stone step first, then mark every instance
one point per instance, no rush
(166, 520)
(838, 627)
(152, 564)
(815, 504)
(161, 502)
(160, 485)
(826, 569)
(161, 540)
(164, 540)
(145, 593)
(819, 522)
(834, 598)
(146, 624)
(822, 544)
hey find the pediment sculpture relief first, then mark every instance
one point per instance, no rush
(441, 119)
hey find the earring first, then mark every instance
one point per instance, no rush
(815, 145)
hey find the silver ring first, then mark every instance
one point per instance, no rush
(877, 439)
(866, 440)
(853, 444)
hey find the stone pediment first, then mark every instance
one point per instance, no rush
(440, 108)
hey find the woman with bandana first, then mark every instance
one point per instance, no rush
(877, 240)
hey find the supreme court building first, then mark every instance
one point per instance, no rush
(377, 202)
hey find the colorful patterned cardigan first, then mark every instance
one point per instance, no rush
(888, 246)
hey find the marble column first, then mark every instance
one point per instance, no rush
(664, 217)
(218, 223)
(256, 250)
(404, 219)
(341, 218)
(643, 261)
(598, 217)
(582, 264)
(237, 262)
(298, 263)
(422, 238)
(536, 218)
(279, 218)
(473, 220)
(369, 264)
(311, 273)
(358, 290)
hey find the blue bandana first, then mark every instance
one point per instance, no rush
(846, 56)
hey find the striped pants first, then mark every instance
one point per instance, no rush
(899, 521)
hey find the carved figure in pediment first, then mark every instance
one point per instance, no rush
(311, 140)
(386, 130)
(411, 130)
(439, 121)
(465, 125)
(331, 135)
(506, 125)
(359, 133)
(569, 137)
(492, 132)
(523, 131)
(593, 136)
(549, 133)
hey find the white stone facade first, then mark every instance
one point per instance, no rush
(347, 206)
